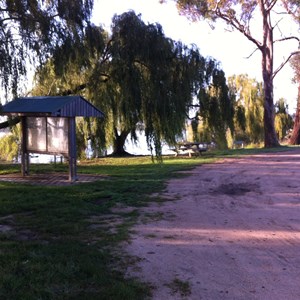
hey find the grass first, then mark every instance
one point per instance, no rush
(247, 151)
(62, 242)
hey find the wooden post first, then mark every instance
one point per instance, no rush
(72, 150)
(24, 153)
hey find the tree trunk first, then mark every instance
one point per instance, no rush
(267, 72)
(269, 128)
(295, 138)
(119, 144)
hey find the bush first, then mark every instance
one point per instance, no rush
(8, 147)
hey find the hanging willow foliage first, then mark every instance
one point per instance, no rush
(31, 31)
(142, 81)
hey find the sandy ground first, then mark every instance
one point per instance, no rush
(232, 233)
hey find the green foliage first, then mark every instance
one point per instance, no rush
(283, 121)
(231, 10)
(238, 15)
(240, 117)
(148, 85)
(31, 30)
(10, 144)
(152, 81)
(181, 287)
(249, 111)
(216, 106)
(64, 241)
(8, 147)
(249, 124)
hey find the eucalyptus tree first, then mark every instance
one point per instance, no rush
(295, 137)
(238, 15)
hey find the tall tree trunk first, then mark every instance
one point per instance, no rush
(267, 72)
(119, 143)
(295, 137)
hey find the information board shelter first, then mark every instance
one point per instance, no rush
(48, 126)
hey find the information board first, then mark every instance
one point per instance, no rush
(47, 135)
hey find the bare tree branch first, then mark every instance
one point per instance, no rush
(238, 26)
(252, 52)
(276, 25)
(284, 63)
(287, 38)
(271, 5)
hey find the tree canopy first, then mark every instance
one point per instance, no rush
(148, 85)
(32, 30)
(248, 108)
(283, 121)
(156, 78)
(217, 107)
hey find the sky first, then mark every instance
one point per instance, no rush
(232, 49)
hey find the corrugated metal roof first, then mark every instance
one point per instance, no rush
(56, 106)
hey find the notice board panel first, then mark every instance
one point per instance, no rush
(47, 134)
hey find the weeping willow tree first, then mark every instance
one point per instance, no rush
(72, 76)
(31, 31)
(283, 120)
(216, 106)
(154, 81)
(146, 85)
(249, 108)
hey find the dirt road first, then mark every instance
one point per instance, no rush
(232, 233)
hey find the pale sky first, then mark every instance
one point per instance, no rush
(230, 48)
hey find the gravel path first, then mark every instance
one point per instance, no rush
(233, 232)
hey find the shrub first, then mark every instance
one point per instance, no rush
(8, 147)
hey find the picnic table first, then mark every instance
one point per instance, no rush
(189, 148)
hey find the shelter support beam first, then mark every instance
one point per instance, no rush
(72, 150)
(24, 152)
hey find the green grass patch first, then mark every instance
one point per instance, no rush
(61, 242)
(248, 151)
